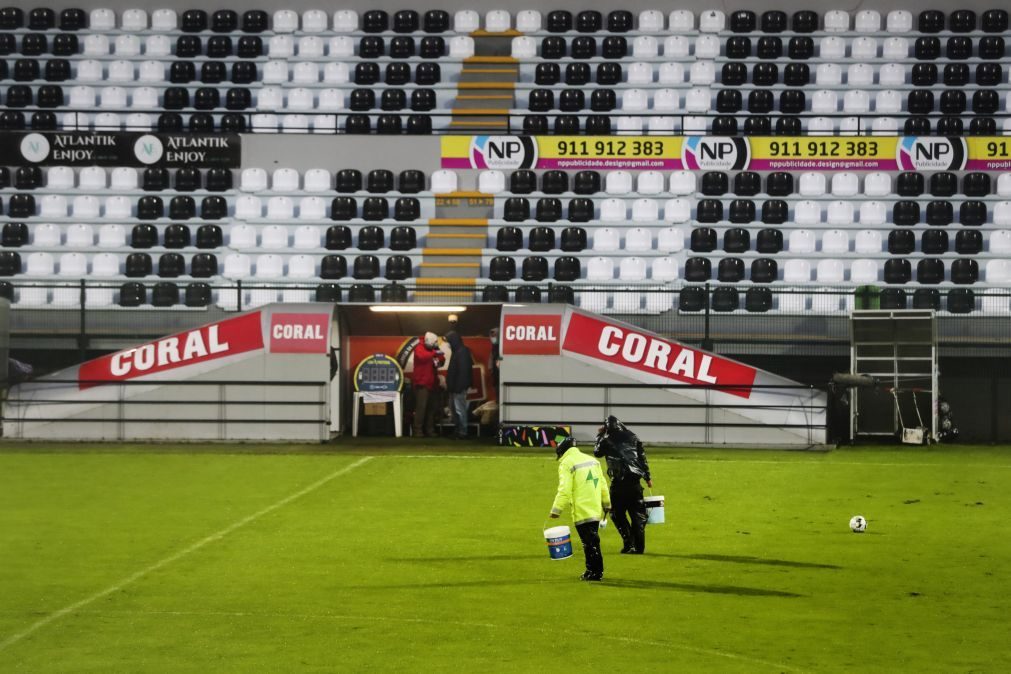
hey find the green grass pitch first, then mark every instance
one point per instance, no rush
(381, 556)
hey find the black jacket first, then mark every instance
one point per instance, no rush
(626, 459)
(458, 374)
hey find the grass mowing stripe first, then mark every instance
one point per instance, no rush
(218, 535)
(692, 460)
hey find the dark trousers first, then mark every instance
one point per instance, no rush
(589, 534)
(426, 405)
(628, 512)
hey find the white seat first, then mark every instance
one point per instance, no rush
(702, 73)
(791, 300)
(107, 121)
(825, 301)
(80, 236)
(280, 208)
(301, 266)
(1000, 242)
(241, 236)
(121, 71)
(666, 100)
(711, 21)
(895, 48)
(72, 265)
(270, 98)
(75, 121)
(807, 212)
(682, 183)
(92, 178)
(274, 236)
(859, 75)
(307, 237)
(825, 102)
(681, 20)
(341, 46)
(835, 242)
(995, 301)
(613, 210)
(698, 100)
(101, 19)
(671, 239)
(661, 125)
(618, 182)
(336, 73)
(461, 47)
(248, 206)
(305, 72)
(253, 180)
(840, 213)
(864, 48)
(864, 272)
(650, 21)
(284, 180)
(491, 182)
(600, 269)
(856, 101)
(707, 47)
(524, 47)
(118, 208)
(665, 269)
(645, 210)
(60, 178)
(801, 241)
(53, 206)
(269, 265)
(845, 184)
(812, 184)
(888, 102)
(138, 121)
(314, 21)
(317, 180)
(606, 239)
(671, 73)
(111, 236)
(650, 182)
(828, 74)
(345, 21)
(830, 271)
(312, 208)
(833, 48)
(676, 46)
(164, 19)
(103, 265)
(1004, 185)
(638, 239)
(236, 266)
(594, 301)
(89, 70)
(821, 126)
(873, 213)
(145, 98)
(444, 182)
(1002, 213)
(628, 126)
(645, 46)
(868, 241)
(324, 124)
(626, 301)
(466, 21)
(157, 46)
(836, 21)
(797, 271)
(46, 236)
(96, 44)
(497, 21)
(899, 21)
(85, 207)
(39, 264)
(528, 21)
(151, 71)
(867, 21)
(285, 21)
(280, 47)
(311, 47)
(295, 124)
(126, 45)
(892, 75)
(884, 126)
(634, 100)
(632, 269)
(877, 184)
(133, 20)
(330, 100)
(82, 97)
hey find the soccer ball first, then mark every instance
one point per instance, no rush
(858, 524)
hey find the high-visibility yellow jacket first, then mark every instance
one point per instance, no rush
(581, 487)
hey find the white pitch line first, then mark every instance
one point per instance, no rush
(56, 615)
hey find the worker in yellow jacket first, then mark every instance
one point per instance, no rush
(581, 488)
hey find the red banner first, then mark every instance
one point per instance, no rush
(299, 333)
(225, 338)
(627, 348)
(531, 335)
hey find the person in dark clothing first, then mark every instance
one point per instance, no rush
(626, 466)
(458, 380)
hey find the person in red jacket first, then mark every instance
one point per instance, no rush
(425, 379)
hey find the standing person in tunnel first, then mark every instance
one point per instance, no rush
(458, 380)
(626, 466)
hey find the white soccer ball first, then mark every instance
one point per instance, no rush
(858, 524)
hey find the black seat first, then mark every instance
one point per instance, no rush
(535, 268)
(389, 124)
(940, 213)
(549, 210)
(726, 298)
(528, 294)
(27, 177)
(21, 206)
(926, 298)
(338, 237)
(961, 301)
(578, 74)
(250, 47)
(366, 267)
(12, 120)
(403, 238)
(204, 265)
(171, 265)
(703, 240)
(371, 238)
(573, 239)
(213, 208)
(554, 182)
(375, 21)
(730, 270)
(143, 236)
(427, 74)
(758, 300)
(15, 234)
(698, 270)
(194, 21)
(558, 21)
(398, 268)
(398, 73)
(333, 267)
(964, 270)
(406, 21)
(589, 21)
(743, 21)
(906, 213)
(567, 268)
(541, 239)
(431, 48)
(901, 242)
(357, 124)
(934, 242)
(219, 47)
(26, 70)
(962, 21)
(893, 298)
(254, 21)
(580, 210)
(534, 125)
(897, 270)
(393, 292)
(509, 239)
(502, 269)
(709, 210)
(566, 125)
(182, 208)
(132, 294)
(138, 265)
(736, 240)
(764, 270)
(10, 263)
(328, 292)
(691, 298)
(494, 293)
(742, 211)
(968, 242)
(769, 241)
(343, 209)
(211, 72)
(188, 179)
(209, 236)
(738, 47)
(930, 271)
(561, 294)
(375, 208)
(361, 292)
(197, 295)
(218, 179)
(176, 236)
(436, 21)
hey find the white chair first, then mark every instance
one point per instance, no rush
(341, 47)
(682, 20)
(96, 44)
(284, 180)
(1002, 213)
(528, 21)
(157, 46)
(676, 47)
(103, 265)
(899, 21)
(666, 100)
(306, 237)
(265, 123)
(497, 21)
(645, 210)
(111, 236)
(85, 207)
(801, 241)
(53, 206)
(299, 267)
(466, 21)
(145, 98)
(671, 74)
(72, 266)
(164, 19)
(80, 236)
(867, 21)
(1000, 242)
(626, 125)
(101, 20)
(330, 100)
(638, 239)
(281, 47)
(698, 100)
(491, 182)
(46, 236)
(312, 208)
(884, 126)
(323, 123)
(126, 45)
(606, 239)
(317, 180)
(835, 242)
(600, 269)
(868, 241)
(236, 266)
(845, 184)
(830, 271)
(82, 97)
(711, 21)
(645, 46)
(248, 206)
(39, 264)
(270, 98)
(461, 47)
(828, 75)
(74, 121)
(313, 21)
(807, 212)
(702, 73)
(665, 269)
(618, 182)
(241, 236)
(107, 121)
(661, 124)
(650, 182)
(89, 70)
(594, 301)
(682, 183)
(707, 47)
(888, 102)
(812, 184)
(134, 20)
(285, 21)
(345, 21)
(840, 213)
(124, 178)
(524, 47)
(677, 210)
(92, 178)
(892, 75)
(836, 21)
(632, 269)
(138, 121)
(671, 240)
(60, 178)
(864, 272)
(634, 100)
(895, 48)
(863, 48)
(118, 208)
(280, 208)
(823, 126)
(877, 184)
(825, 102)
(336, 73)
(1004, 185)
(274, 236)
(121, 71)
(695, 125)
(305, 72)
(444, 182)
(650, 21)
(613, 210)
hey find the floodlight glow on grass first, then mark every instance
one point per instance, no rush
(416, 309)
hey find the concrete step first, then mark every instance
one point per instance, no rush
(458, 239)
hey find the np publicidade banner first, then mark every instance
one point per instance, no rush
(719, 153)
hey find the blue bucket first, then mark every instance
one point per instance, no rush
(559, 542)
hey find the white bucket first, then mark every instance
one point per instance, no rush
(559, 541)
(654, 507)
